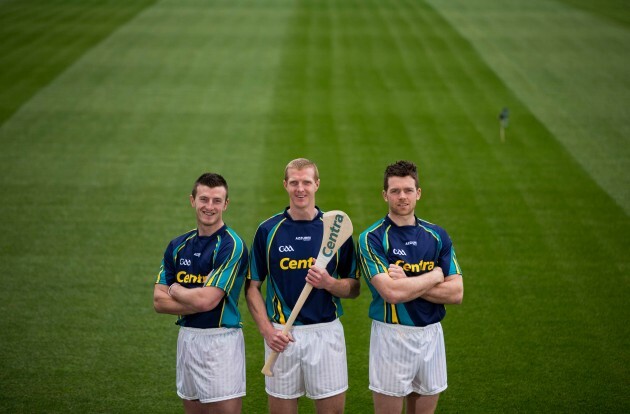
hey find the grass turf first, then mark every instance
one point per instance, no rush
(568, 67)
(96, 168)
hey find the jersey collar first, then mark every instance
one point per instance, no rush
(388, 221)
(219, 232)
(318, 216)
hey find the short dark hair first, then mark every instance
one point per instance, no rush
(401, 169)
(211, 180)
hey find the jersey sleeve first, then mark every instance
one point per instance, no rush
(166, 275)
(347, 267)
(447, 259)
(258, 257)
(372, 256)
(228, 261)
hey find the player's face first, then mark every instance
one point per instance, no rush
(209, 204)
(402, 195)
(301, 186)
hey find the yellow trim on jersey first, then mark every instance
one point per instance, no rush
(269, 242)
(278, 309)
(374, 257)
(454, 259)
(394, 314)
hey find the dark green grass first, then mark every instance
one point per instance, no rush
(96, 167)
(39, 39)
(615, 10)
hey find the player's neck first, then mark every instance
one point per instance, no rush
(204, 231)
(406, 220)
(307, 213)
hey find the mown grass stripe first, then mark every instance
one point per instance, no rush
(578, 92)
(40, 39)
(103, 157)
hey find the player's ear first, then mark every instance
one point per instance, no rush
(227, 201)
(419, 193)
(192, 201)
(316, 185)
(385, 195)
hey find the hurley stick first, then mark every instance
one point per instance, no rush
(337, 229)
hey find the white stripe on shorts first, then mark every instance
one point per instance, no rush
(210, 364)
(315, 364)
(406, 359)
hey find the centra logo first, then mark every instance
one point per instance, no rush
(286, 263)
(328, 249)
(421, 266)
(183, 277)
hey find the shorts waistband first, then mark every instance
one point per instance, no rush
(314, 326)
(405, 327)
(208, 331)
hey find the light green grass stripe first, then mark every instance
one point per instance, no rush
(568, 67)
(113, 145)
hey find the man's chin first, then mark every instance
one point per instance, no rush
(301, 202)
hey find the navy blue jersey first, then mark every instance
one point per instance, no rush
(219, 260)
(282, 252)
(417, 249)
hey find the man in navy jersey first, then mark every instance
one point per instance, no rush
(312, 359)
(412, 272)
(200, 279)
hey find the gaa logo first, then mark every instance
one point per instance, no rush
(399, 252)
(184, 262)
(285, 249)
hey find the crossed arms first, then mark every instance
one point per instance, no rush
(395, 287)
(184, 301)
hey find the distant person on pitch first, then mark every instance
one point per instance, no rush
(200, 279)
(284, 246)
(412, 272)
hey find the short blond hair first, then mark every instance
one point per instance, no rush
(300, 164)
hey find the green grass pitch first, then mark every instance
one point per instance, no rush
(109, 110)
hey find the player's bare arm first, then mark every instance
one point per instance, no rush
(274, 338)
(449, 292)
(342, 288)
(402, 290)
(200, 299)
(164, 303)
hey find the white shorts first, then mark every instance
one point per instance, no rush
(315, 364)
(406, 359)
(210, 364)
